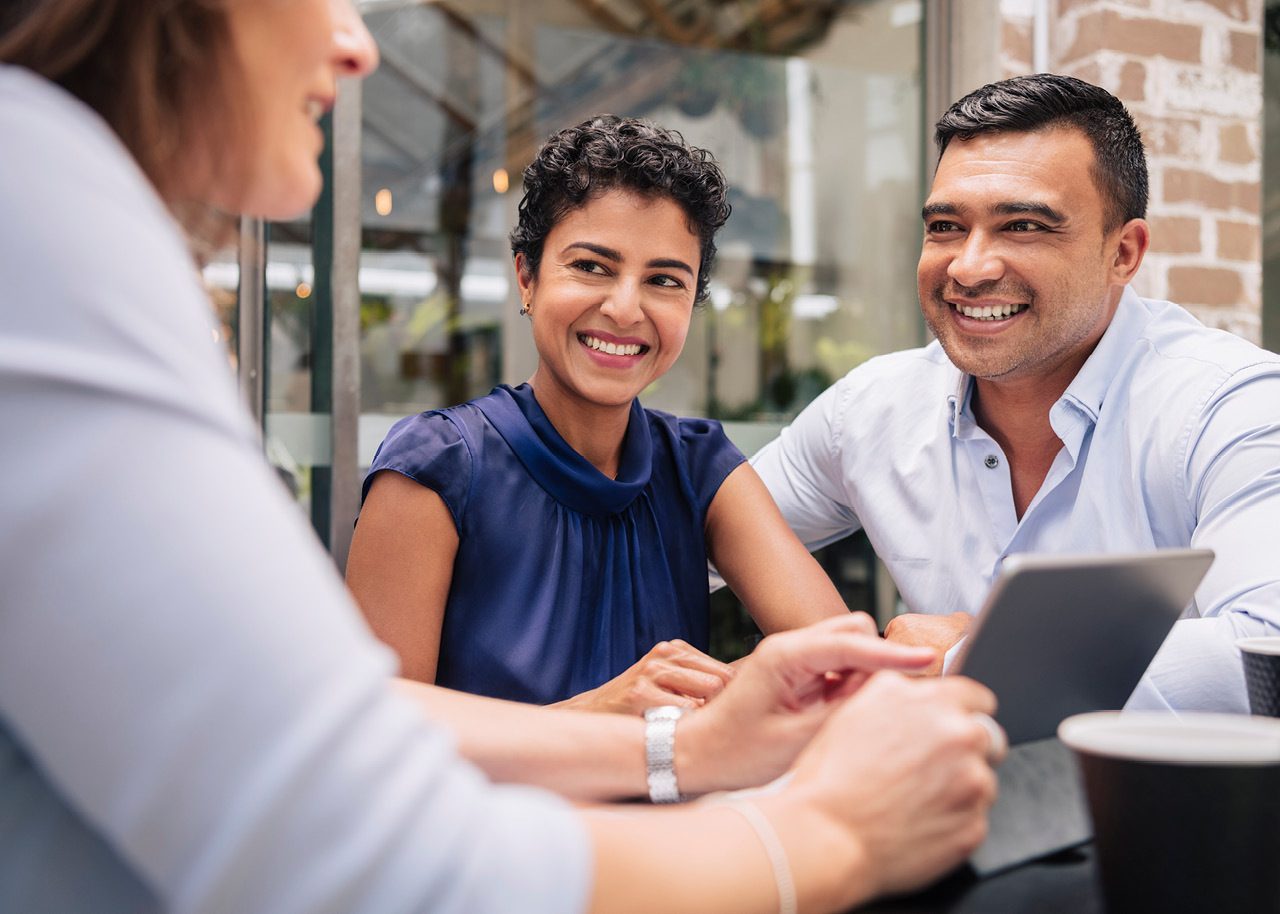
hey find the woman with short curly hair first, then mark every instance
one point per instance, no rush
(549, 542)
(613, 153)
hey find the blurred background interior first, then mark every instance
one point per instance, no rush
(397, 294)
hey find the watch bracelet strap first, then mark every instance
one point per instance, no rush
(659, 754)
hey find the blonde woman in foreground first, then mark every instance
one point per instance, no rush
(193, 716)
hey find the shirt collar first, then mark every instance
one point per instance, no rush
(959, 407)
(1088, 389)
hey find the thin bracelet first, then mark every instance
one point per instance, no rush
(776, 852)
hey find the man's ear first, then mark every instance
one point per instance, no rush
(1130, 247)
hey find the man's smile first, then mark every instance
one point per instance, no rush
(990, 312)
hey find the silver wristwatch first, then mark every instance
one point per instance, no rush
(660, 752)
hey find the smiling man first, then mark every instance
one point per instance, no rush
(1057, 411)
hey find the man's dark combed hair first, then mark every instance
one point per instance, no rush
(614, 153)
(1045, 101)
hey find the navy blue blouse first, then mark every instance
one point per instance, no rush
(564, 578)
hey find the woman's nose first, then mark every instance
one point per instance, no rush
(622, 305)
(355, 53)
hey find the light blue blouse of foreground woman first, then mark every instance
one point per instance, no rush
(192, 716)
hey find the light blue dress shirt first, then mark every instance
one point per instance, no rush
(193, 715)
(1170, 438)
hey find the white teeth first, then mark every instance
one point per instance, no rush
(991, 312)
(608, 348)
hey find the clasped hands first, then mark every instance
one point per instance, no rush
(671, 673)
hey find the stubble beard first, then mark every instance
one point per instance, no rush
(982, 357)
(1052, 336)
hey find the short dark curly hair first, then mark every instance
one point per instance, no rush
(1046, 100)
(608, 152)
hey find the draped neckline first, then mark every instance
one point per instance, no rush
(566, 475)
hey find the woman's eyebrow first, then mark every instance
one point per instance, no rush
(661, 263)
(670, 263)
(600, 249)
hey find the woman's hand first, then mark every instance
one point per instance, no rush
(794, 681)
(890, 793)
(899, 781)
(672, 673)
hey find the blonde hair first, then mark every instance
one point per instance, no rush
(161, 73)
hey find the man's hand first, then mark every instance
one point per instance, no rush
(754, 730)
(924, 630)
(672, 673)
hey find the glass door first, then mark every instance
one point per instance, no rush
(397, 295)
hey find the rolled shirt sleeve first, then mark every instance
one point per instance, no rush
(1231, 478)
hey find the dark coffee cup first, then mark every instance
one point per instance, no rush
(1261, 658)
(1184, 808)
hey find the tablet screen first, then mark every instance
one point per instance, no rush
(1064, 634)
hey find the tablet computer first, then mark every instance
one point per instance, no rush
(1064, 634)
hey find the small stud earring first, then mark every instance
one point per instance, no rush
(525, 309)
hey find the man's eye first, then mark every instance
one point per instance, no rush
(1025, 225)
(667, 282)
(588, 266)
(941, 228)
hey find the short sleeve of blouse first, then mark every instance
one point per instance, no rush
(709, 455)
(431, 450)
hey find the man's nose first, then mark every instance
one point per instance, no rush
(976, 262)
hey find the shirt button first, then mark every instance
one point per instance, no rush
(992, 461)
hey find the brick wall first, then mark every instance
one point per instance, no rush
(1190, 71)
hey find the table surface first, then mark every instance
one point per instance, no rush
(1065, 883)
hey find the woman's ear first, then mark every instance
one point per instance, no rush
(524, 278)
(525, 282)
